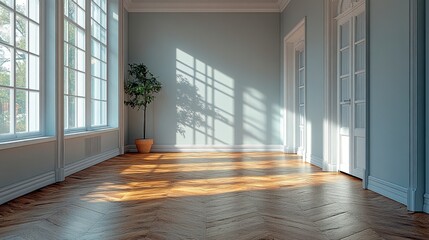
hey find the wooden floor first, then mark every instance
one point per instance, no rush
(208, 196)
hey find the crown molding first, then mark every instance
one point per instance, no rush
(283, 4)
(206, 6)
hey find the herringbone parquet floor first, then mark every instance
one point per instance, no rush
(257, 196)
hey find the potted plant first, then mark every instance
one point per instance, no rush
(141, 88)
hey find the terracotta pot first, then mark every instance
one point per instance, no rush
(144, 145)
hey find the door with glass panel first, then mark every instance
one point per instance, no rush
(351, 88)
(300, 90)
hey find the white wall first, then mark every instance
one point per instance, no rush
(291, 16)
(228, 89)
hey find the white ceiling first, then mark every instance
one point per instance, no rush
(205, 5)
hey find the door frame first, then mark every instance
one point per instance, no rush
(290, 42)
(330, 125)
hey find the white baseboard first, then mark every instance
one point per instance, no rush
(388, 189)
(88, 162)
(289, 150)
(330, 167)
(18, 189)
(317, 161)
(211, 148)
(426, 203)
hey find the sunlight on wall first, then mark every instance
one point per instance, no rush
(254, 116)
(204, 103)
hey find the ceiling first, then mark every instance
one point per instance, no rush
(205, 5)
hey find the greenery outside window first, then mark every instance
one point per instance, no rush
(20, 81)
(85, 64)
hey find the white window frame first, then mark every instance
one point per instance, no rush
(27, 135)
(88, 74)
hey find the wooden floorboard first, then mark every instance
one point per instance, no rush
(261, 196)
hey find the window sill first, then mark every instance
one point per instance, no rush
(89, 133)
(26, 142)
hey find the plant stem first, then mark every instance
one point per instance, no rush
(144, 122)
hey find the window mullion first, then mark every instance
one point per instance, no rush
(88, 65)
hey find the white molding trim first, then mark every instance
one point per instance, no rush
(314, 160)
(211, 148)
(426, 203)
(283, 4)
(88, 162)
(26, 142)
(204, 6)
(416, 181)
(290, 150)
(388, 189)
(21, 188)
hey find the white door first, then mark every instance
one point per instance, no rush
(352, 99)
(300, 83)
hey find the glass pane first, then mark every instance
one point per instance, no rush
(34, 38)
(103, 36)
(70, 109)
(80, 84)
(34, 10)
(6, 100)
(80, 17)
(103, 91)
(81, 60)
(80, 112)
(103, 113)
(96, 113)
(301, 77)
(7, 2)
(81, 3)
(345, 116)
(360, 27)
(301, 115)
(95, 48)
(301, 95)
(345, 35)
(71, 82)
(21, 32)
(345, 89)
(360, 87)
(96, 67)
(33, 111)
(22, 6)
(360, 57)
(95, 88)
(6, 25)
(344, 62)
(103, 53)
(74, 12)
(21, 69)
(34, 75)
(5, 66)
(66, 81)
(360, 115)
(103, 5)
(301, 59)
(21, 114)
(103, 21)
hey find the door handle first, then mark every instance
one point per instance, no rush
(347, 100)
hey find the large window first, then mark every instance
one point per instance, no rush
(20, 81)
(85, 65)
(99, 63)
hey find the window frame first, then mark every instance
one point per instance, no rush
(15, 136)
(88, 71)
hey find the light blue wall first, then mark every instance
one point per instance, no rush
(427, 110)
(22, 163)
(228, 89)
(389, 91)
(291, 16)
